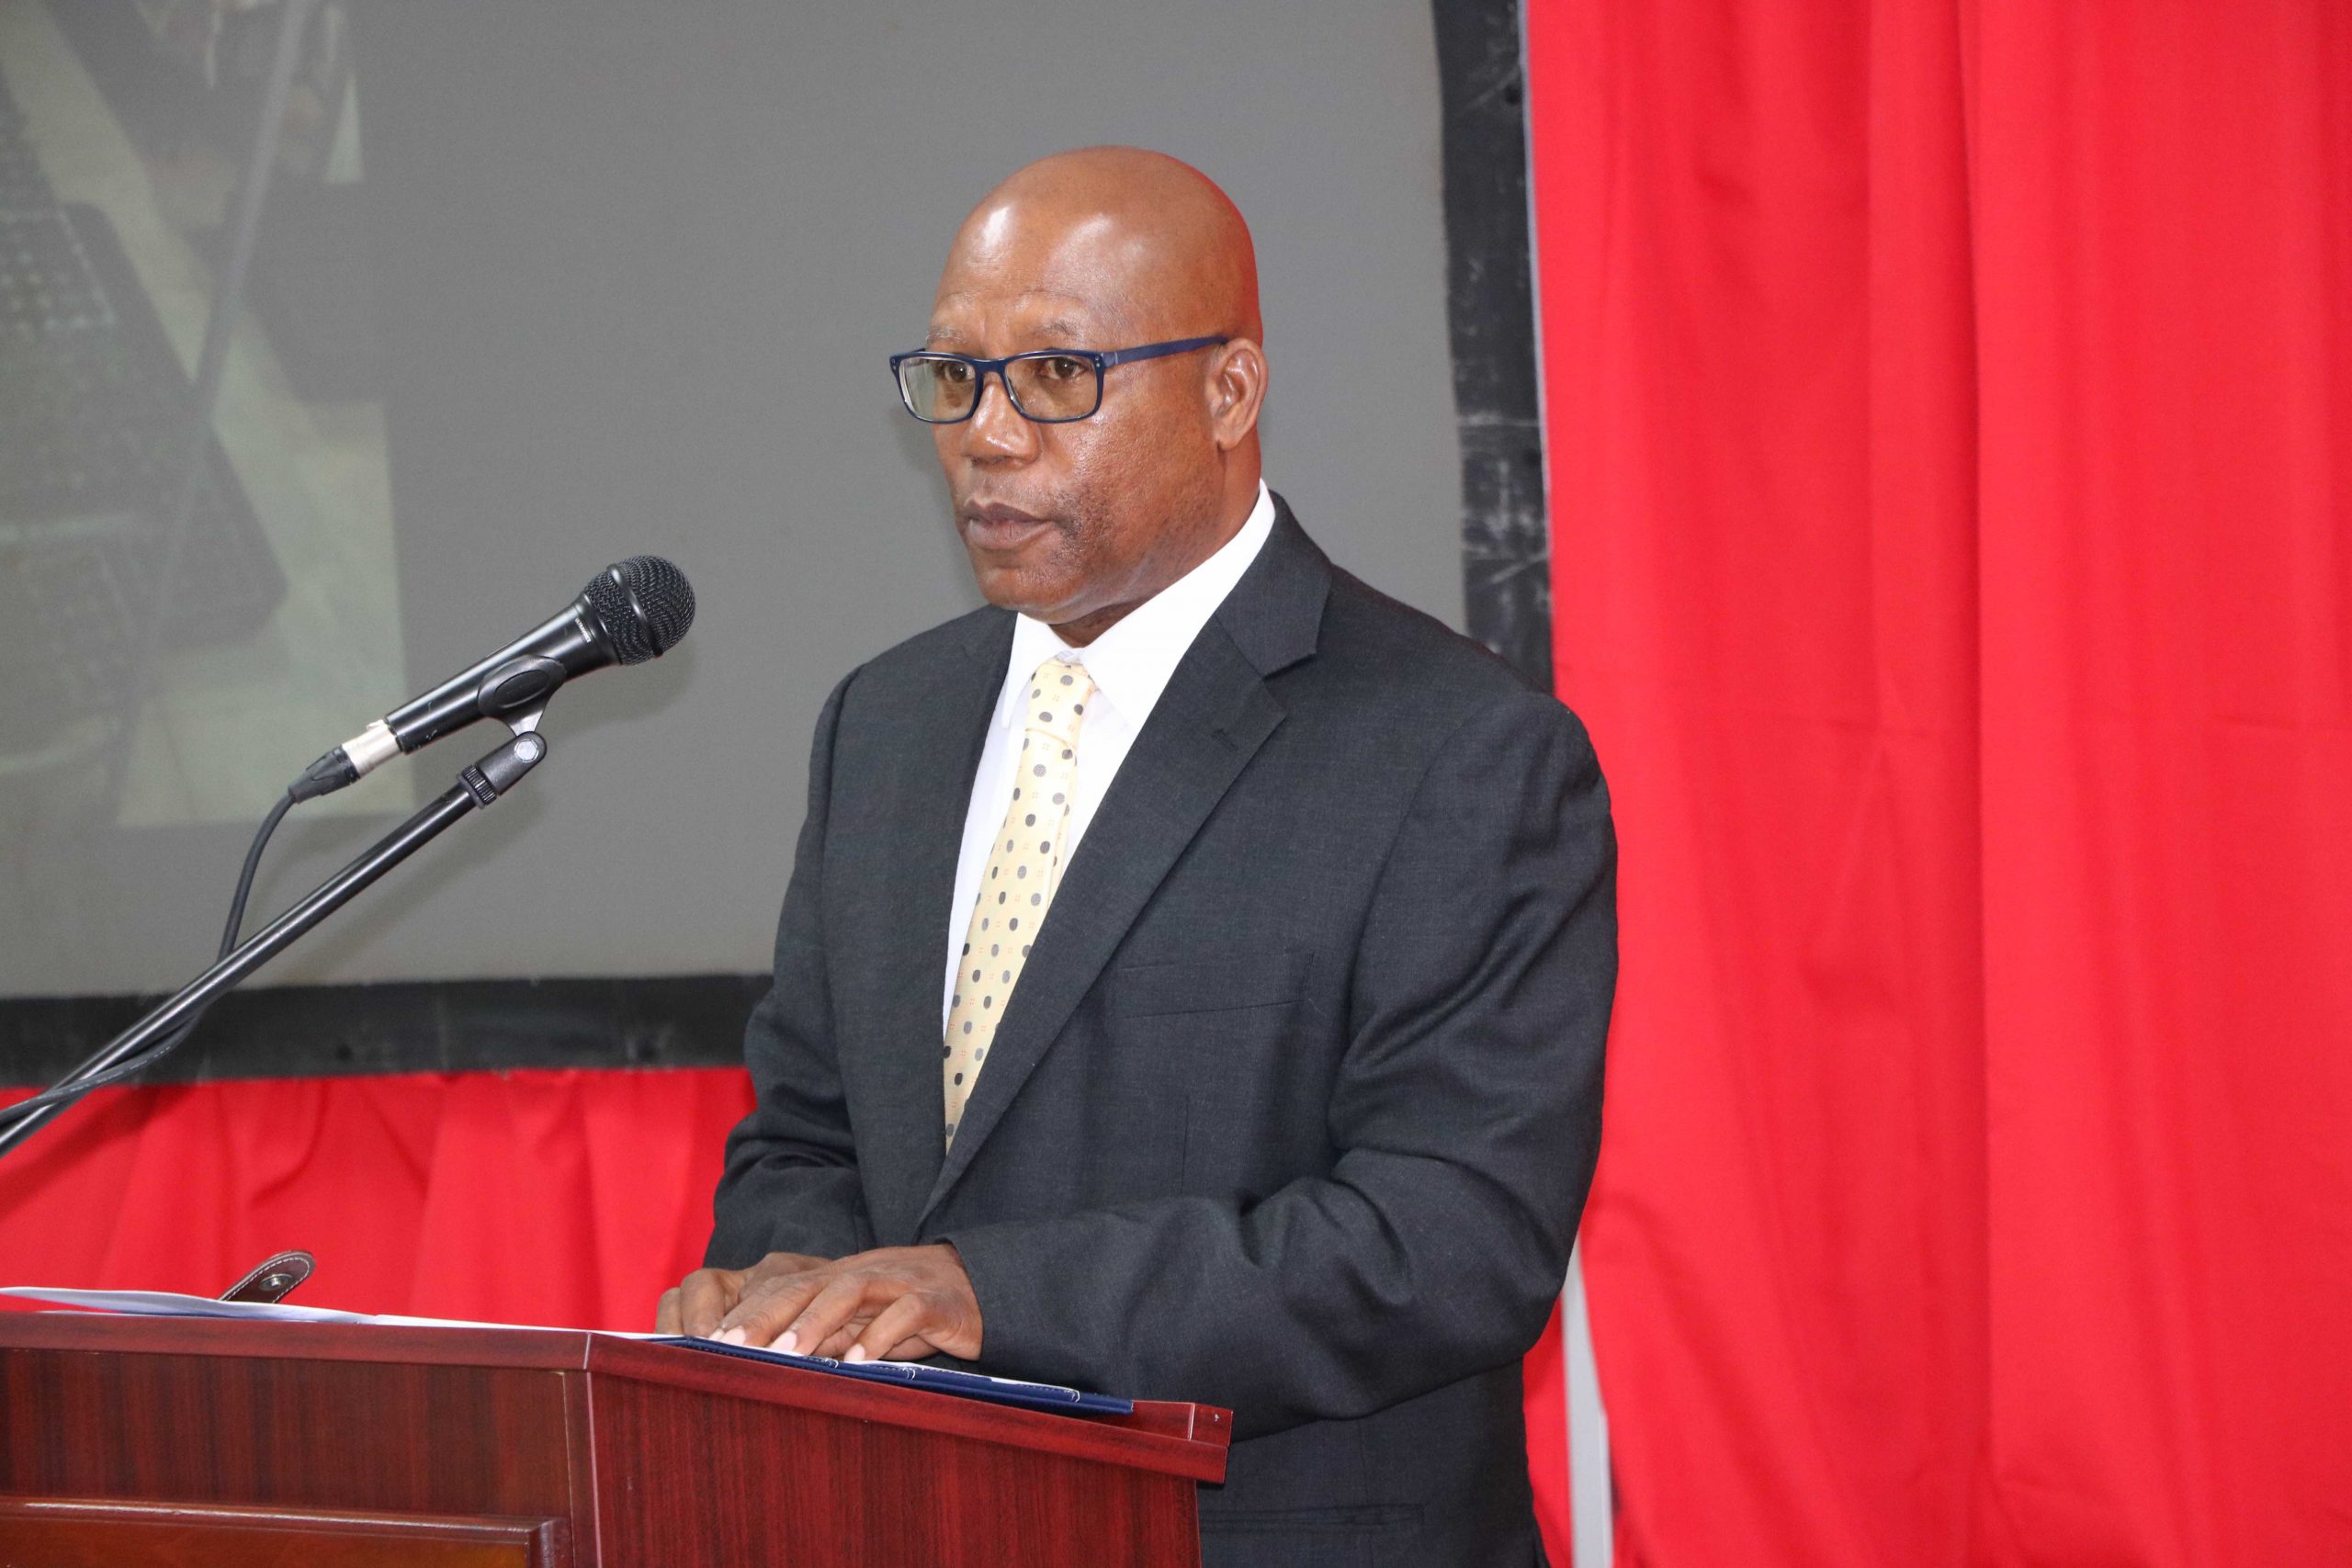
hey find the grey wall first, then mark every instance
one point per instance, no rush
(639, 264)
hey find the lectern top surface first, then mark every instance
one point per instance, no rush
(1179, 1439)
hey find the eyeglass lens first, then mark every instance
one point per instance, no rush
(1049, 387)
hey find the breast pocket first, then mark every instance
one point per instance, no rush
(1222, 1041)
(1208, 985)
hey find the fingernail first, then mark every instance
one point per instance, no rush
(856, 1353)
(789, 1344)
(730, 1336)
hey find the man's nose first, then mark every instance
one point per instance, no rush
(996, 432)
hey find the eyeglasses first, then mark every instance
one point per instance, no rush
(1048, 386)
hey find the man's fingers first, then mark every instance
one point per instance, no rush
(763, 1311)
(841, 1339)
(700, 1305)
(862, 1307)
(760, 1305)
(706, 1297)
(894, 1324)
(829, 1308)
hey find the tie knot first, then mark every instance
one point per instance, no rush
(1058, 693)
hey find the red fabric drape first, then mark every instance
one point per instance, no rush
(1949, 408)
(1546, 1409)
(570, 1199)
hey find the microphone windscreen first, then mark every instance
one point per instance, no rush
(646, 604)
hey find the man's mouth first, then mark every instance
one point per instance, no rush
(995, 526)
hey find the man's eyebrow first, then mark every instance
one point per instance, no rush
(1058, 332)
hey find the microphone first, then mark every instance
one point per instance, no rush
(630, 612)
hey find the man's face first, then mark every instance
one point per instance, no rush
(1074, 524)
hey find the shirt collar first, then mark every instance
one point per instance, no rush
(1133, 662)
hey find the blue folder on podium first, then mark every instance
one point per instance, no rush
(939, 1380)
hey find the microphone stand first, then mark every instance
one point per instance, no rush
(477, 786)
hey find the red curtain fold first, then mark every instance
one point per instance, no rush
(1949, 424)
(565, 1198)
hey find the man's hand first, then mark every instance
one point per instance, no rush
(709, 1294)
(897, 1302)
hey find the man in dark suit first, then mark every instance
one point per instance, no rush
(1194, 976)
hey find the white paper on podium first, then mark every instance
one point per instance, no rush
(170, 1304)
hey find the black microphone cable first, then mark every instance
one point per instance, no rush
(58, 1096)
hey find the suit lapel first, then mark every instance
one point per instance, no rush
(1214, 713)
(934, 750)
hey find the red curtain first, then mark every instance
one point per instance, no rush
(570, 1199)
(1950, 414)
(1546, 1408)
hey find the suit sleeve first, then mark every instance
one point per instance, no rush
(791, 1178)
(1467, 1114)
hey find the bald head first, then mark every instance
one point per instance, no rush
(1151, 241)
(1103, 248)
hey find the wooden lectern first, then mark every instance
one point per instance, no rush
(204, 1442)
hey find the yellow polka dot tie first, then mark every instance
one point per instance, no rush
(1025, 864)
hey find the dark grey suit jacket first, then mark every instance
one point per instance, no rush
(1296, 1104)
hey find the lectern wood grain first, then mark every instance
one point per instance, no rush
(127, 1432)
(850, 1493)
(435, 1439)
(110, 1535)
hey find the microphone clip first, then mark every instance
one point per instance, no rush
(520, 687)
(500, 771)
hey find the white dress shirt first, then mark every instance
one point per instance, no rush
(1130, 664)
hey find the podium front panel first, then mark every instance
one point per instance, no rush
(847, 1493)
(251, 1442)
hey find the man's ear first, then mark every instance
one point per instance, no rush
(1236, 391)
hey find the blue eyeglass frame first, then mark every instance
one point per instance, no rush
(1101, 359)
